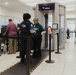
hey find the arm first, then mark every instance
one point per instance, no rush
(32, 30)
(16, 29)
(41, 28)
(7, 29)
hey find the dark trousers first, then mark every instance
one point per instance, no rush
(68, 35)
(37, 46)
(23, 50)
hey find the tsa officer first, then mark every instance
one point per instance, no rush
(26, 29)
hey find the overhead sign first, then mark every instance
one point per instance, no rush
(49, 6)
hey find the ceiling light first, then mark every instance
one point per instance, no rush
(6, 3)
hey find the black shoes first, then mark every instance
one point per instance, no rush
(23, 61)
(18, 57)
(37, 55)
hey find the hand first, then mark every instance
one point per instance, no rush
(43, 32)
(32, 31)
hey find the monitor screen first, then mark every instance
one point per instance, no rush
(55, 26)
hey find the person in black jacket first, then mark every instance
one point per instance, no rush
(37, 38)
(26, 29)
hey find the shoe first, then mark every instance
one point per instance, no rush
(9, 53)
(4, 52)
(18, 57)
(14, 52)
(23, 61)
(39, 55)
(34, 55)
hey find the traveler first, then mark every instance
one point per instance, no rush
(37, 38)
(49, 29)
(11, 31)
(68, 33)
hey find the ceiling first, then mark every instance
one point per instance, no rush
(20, 5)
(15, 5)
(70, 4)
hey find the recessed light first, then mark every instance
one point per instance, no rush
(6, 3)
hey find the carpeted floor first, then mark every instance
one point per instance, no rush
(20, 69)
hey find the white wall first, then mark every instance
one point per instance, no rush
(13, 13)
(71, 24)
(9, 12)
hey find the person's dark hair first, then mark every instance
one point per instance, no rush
(10, 20)
(26, 16)
(49, 26)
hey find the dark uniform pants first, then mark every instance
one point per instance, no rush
(37, 46)
(23, 50)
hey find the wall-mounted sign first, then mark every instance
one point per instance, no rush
(47, 6)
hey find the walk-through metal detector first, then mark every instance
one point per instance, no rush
(57, 11)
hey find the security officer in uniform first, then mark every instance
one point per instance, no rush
(37, 38)
(26, 29)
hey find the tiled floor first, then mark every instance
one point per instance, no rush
(7, 61)
(65, 63)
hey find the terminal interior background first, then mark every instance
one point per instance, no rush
(14, 9)
(65, 63)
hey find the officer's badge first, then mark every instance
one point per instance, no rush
(23, 26)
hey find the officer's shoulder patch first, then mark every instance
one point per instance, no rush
(23, 25)
(31, 24)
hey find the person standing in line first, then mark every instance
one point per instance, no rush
(11, 31)
(37, 39)
(75, 35)
(49, 29)
(68, 33)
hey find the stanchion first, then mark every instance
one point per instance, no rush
(49, 61)
(27, 51)
(0, 48)
(7, 42)
(58, 44)
(18, 42)
(28, 55)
